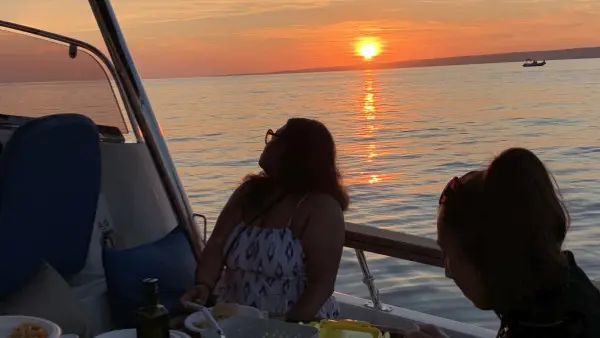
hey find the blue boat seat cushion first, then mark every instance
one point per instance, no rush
(49, 186)
(170, 260)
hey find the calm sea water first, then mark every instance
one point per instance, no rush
(401, 135)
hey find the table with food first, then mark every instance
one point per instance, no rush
(235, 321)
(238, 321)
(223, 320)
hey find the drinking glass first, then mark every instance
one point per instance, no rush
(275, 305)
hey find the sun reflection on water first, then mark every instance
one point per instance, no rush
(373, 179)
(372, 152)
(369, 113)
(370, 145)
(369, 99)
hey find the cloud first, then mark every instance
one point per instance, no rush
(76, 16)
(160, 11)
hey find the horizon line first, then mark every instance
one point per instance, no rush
(507, 57)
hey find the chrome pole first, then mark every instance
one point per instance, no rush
(151, 131)
(369, 281)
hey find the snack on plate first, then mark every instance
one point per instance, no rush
(203, 324)
(220, 311)
(28, 330)
(224, 310)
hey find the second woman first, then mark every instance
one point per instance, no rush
(278, 241)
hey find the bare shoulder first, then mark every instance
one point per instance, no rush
(240, 192)
(325, 215)
(321, 201)
(325, 206)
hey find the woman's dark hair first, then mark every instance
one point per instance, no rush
(511, 223)
(308, 164)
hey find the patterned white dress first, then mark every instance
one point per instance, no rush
(265, 268)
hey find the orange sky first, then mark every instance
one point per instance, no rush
(172, 38)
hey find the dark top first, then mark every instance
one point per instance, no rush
(572, 311)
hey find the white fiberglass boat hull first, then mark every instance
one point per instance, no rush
(354, 308)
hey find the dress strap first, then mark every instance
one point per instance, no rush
(245, 225)
(266, 209)
(289, 223)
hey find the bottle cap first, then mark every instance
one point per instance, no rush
(150, 285)
(149, 280)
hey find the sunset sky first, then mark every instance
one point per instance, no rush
(173, 38)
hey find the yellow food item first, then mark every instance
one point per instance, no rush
(224, 310)
(203, 324)
(28, 330)
(220, 311)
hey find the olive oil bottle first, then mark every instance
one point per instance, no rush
(152, 319)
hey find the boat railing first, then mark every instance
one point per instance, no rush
(394, 244)
(363, 238)
(389, 243)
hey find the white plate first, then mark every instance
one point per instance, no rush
(9, 323)
(131, 333)
(237, 310)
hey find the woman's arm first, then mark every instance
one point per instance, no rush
(323, 243)
(211, 260)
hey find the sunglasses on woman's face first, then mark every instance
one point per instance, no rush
(270, 135)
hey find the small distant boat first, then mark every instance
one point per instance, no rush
(534, 63)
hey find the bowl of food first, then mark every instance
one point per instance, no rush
(196, 322)
(28, 327)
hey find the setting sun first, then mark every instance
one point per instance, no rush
(368, 51)
(368, 48)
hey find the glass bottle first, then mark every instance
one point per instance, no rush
(152, 319)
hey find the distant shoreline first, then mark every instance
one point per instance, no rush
(555, 54)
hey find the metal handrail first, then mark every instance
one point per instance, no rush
(369, 281)
(204, 226)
